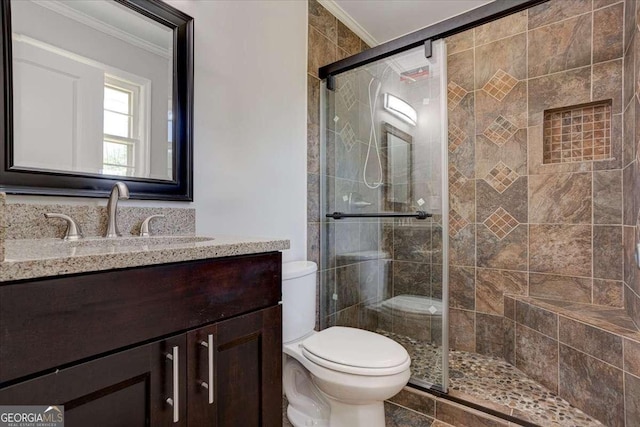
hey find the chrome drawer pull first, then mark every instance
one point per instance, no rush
(176, 384)
(209, 346)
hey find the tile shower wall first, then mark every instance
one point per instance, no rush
(517, 225)
(581, 352)
(631, 164)
(328, 41)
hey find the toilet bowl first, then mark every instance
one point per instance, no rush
(340, 376)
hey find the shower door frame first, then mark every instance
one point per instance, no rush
(457, 24)
(440, 56)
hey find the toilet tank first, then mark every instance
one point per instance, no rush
(298, 299)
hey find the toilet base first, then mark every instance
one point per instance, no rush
(342, 415)
(348, 415)
(299, 419)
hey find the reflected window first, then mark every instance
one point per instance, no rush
(123, 126)
(170, 139)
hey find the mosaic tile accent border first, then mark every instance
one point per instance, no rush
(456, 222)
(456, 137)
(500, 84)
(577, 133)
(501, 223)
(501, 177)
(348, 94)
(500, 131)
(348, 136)
(456, 179)
(455, 94)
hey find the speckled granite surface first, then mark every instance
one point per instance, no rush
(27, 221)
(32, 258)
(32, 245)
(2, 224)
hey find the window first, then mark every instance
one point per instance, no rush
(122, 123)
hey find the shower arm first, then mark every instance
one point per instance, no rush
(416, 215)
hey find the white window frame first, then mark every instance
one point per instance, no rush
(139, 154)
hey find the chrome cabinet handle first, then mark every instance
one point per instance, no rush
(173, 401)
(209, 385)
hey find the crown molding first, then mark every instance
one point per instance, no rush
(90, 21)
(347, 20)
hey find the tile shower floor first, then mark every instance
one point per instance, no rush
(484, 378)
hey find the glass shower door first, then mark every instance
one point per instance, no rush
(383, 183)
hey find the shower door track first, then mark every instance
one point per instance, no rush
(478, 407)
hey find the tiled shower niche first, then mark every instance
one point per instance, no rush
(578, 133)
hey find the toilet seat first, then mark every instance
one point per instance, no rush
(355, 351)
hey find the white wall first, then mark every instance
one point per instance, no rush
(250, 120)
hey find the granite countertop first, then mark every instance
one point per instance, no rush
(32, 258)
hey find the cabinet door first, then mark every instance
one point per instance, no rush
(245, 354)
(129, 388)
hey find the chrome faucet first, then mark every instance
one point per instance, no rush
(119, 191)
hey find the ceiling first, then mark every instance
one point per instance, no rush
(378, 21)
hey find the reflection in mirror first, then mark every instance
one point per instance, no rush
(92, 89)
(396, 147)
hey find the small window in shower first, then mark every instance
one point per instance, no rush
(578, 133)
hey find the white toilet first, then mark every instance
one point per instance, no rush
(338, 377)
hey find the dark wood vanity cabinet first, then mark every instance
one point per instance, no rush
(127, 388)
(220, 365)
(247, 372)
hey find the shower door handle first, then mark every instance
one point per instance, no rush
(416, 215)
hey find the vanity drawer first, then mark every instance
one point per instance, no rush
(52, 322)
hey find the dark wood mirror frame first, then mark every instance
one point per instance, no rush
(22, 180)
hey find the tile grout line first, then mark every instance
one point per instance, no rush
(620, 368)
(536, 28)
(593, 256)
(624, 391)
(558, 352)
(475, 207)
(578, 320)
(413, 410)
(563, 71)
(528, 160)
(625, 109)
(577, 15)
(528, 196)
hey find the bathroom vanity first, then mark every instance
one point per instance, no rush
(193, 339)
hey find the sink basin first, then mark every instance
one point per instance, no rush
(30, 249)
(100, 242)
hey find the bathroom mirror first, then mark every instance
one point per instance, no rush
(396, 149)
(96, 92)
